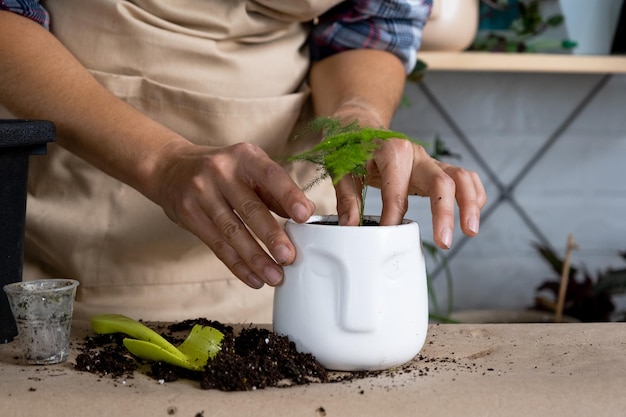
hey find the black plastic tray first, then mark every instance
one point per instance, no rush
(18, 140)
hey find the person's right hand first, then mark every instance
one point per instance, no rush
(224, 196)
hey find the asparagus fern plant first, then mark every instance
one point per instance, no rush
(345, 150)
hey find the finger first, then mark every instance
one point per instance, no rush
(232, 230)
(236, 235)
(262, 173)
(212, 218)
(394, 162)
(481, 192)
(441, 193)
(470, 197)
(230, 257)
(429, 179)
(268, 182)
(211, 235)
(258, 218)
(348, 192)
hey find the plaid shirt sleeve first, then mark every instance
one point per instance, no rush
(390, 25)
(28, 8)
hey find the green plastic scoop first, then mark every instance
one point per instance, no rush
(202, 343)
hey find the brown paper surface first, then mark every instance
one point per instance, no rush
(463, 370)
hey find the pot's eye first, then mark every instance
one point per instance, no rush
(324, 264)
(393, 267)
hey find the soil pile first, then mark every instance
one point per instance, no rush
(254, 358)
(259, 358)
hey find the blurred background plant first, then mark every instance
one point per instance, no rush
(588, 298)
(517, 26)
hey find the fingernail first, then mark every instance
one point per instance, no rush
(255, 281)
(272, 275)
(282, 254)
(300, 213)
(446, 237)
(473, 224)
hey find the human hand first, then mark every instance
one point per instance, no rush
(224, 196)
(401, 168)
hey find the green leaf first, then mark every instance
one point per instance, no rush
(611, 282)
(418, 72)
(554, 21)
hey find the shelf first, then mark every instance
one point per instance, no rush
(513, 62)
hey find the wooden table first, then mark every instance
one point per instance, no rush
(463, 370)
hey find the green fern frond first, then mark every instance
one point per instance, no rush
(344, 150)
(318, 179)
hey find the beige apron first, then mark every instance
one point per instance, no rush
(217, 72)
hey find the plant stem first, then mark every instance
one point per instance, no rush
(364, 188)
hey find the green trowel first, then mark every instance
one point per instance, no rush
(202, 343)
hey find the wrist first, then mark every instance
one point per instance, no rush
(361, 111)
(153, 169)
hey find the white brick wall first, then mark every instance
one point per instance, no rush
(578, 186)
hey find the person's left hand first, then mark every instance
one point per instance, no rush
(401, 168)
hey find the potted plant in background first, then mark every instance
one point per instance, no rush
(593, 24)
(573, 295)
(586, 298)
(553, 26)
(521, 26)
(356, 296)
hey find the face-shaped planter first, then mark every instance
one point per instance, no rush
(356, 297)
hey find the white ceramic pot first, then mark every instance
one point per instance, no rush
(452, 25)
(591, 24)
(355, 297)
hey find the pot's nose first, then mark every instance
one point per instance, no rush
(359, 306)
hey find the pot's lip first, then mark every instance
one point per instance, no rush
(334, 218)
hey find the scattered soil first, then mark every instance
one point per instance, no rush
(254, 358)
(105, 355)
(250, 359)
